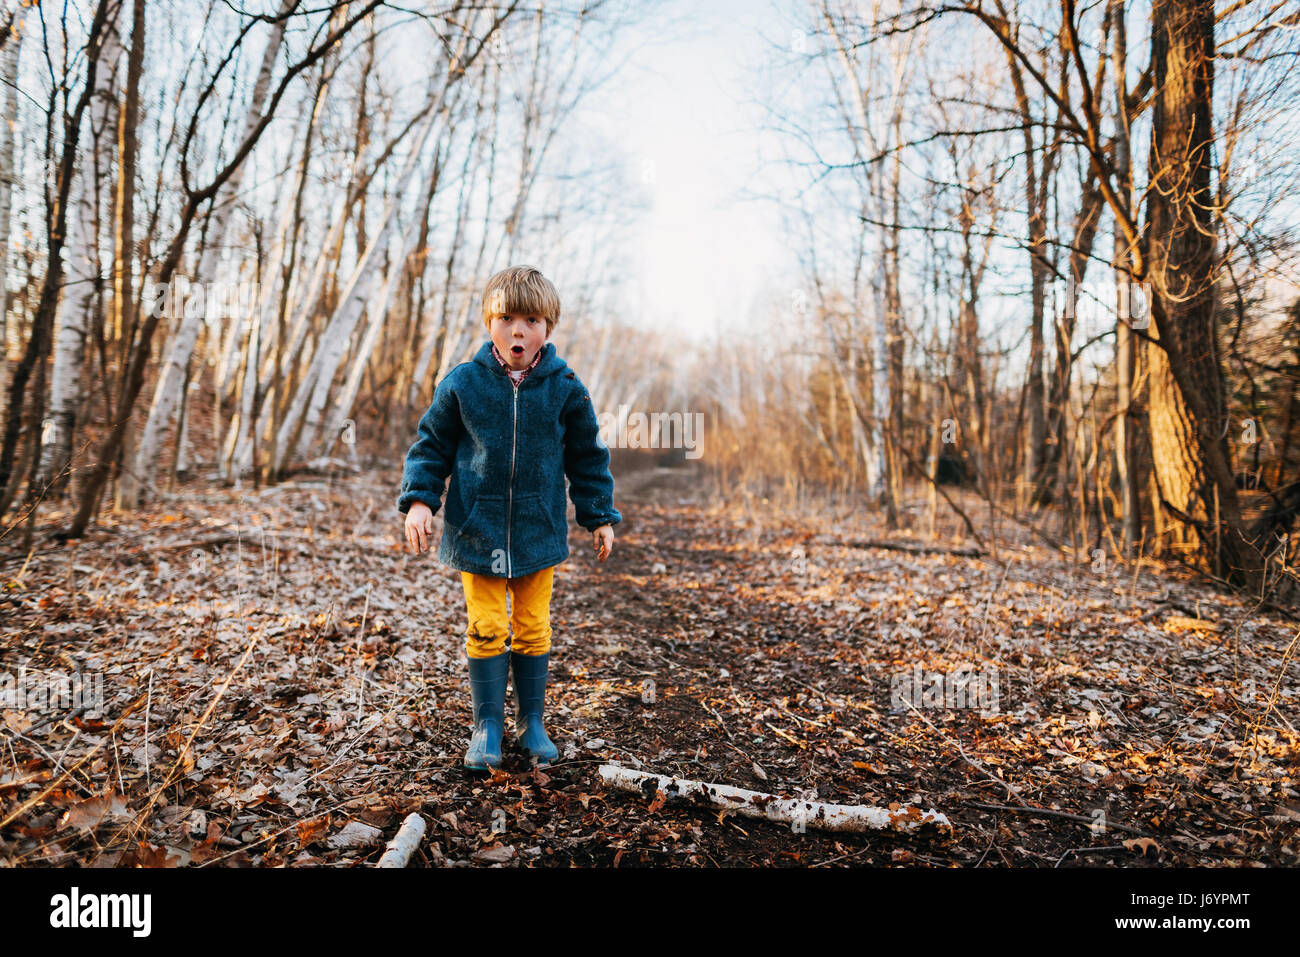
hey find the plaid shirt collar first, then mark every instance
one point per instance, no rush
(504, 365)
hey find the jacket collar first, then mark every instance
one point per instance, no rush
(548, 364)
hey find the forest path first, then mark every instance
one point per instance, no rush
(742, 648)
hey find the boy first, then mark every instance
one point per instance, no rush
(510, 425)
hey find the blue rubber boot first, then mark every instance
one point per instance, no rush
(487, 687)
(530, 699)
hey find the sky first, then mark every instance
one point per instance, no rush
(680, 109)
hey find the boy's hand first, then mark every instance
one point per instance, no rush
(603, 538)
(419, 527)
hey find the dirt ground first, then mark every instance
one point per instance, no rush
(283, 684)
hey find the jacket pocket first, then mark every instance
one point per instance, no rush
(533, 534)
(483, 529)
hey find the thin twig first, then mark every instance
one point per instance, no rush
(1047, 812)
(32, 802)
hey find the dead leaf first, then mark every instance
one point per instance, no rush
(356, 834)
(90, 813)
(153, 855)
(1177, 624)
(1142, 845)
(312, 830)
(495, 855)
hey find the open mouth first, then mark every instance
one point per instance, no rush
(517, 350)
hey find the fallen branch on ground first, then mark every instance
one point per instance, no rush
(857, 818)
(401, 847)
(284, 542)
(916, 549)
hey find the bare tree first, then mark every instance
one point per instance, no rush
(84, 291)
(56, 198)
(194, 199)
(9, 54)
(167, 392)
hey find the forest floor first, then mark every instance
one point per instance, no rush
(283, 683)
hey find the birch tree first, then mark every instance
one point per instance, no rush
(133, 378)
(124, 252)
(860, 80)
(171, 378)
(84, 290)
(303, 417)
(12, 38)
(56, 195)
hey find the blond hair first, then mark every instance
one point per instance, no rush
(521, 290)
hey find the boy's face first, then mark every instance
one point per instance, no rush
(518, 338)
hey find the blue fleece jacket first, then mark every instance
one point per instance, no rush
(508, 449)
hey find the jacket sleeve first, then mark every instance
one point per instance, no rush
(430, 459)
(586, 463)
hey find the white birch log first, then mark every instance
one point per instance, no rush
(402, 846)
(855, 818)
(167, 392)
(84, 268)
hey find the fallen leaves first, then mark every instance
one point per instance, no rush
(356, 834)
(1142, 845)
(145, 854)
(312, 830)
(91, 813)
(1177, 625)
(763, 667)
(495, 855)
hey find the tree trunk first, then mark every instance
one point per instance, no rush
(8, 120)
(124, 225)
(1085, 232)
(1186, 403)
(344, 401)
(894, 324)
(84, 290)
(276, 288)
(1130, 496)
(43, 320)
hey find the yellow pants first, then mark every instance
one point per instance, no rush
(489, 623)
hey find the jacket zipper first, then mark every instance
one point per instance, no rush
(510, 489)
